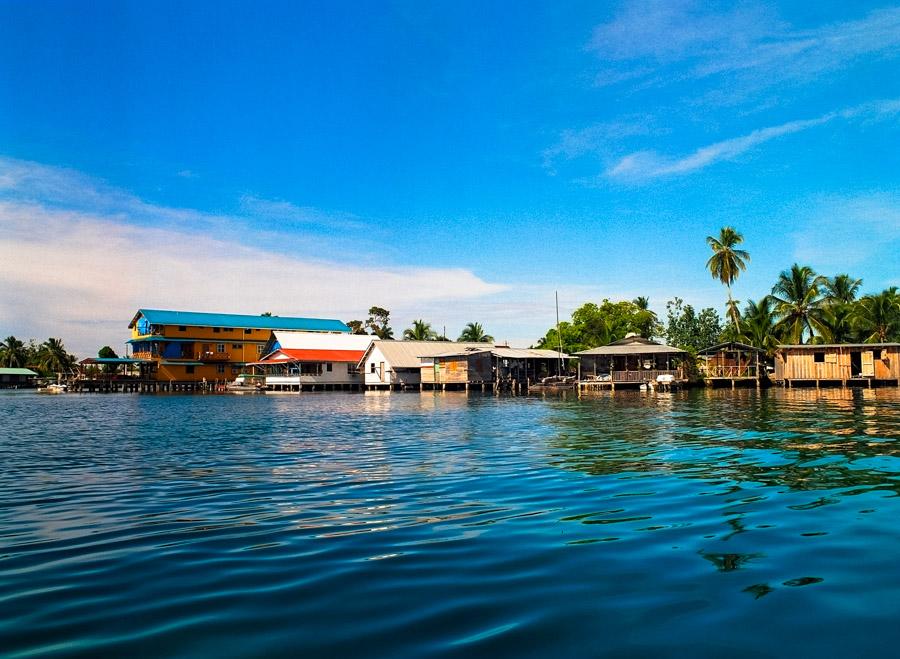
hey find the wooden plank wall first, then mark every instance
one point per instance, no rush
(801, 364)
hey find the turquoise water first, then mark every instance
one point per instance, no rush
(703, 523)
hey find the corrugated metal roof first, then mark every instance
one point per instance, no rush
(405, 354)
(631, 349)
(506, 353)
(312, 341)
(735, 345)
(202, 319)
(819, 346)
(289, 354)
(16, 371)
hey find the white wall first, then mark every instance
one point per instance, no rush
(391, 377)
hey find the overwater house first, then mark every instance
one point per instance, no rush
(187, 347)
(629, 362)
(396, 365)
(838, 363)
(307, 361)
(485, 367)
(732, 363)
(15, 378)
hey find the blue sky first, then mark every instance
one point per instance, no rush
(452, 161)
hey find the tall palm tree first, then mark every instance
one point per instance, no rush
(878, 316)
(838, 323)
(13, 353)
(798, 302)
(727, 262)
(841, 289)
(758, 325)
(420, 331)
(53, 357)
(474, 333)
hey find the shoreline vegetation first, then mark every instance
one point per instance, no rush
(803, 307)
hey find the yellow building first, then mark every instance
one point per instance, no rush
(187, 346)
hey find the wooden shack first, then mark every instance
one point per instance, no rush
(499, 367)
(838, 363)
(732, 363)
(631, 361)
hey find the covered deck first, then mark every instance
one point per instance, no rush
(732, 363)
(631, 362)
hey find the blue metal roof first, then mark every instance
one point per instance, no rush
(198, 319)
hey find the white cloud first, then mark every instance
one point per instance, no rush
(751, 47)
(73, 274)
(645, 165)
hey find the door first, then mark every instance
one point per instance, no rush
(868, 364)
(381, 370)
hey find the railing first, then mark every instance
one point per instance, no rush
(644, 376)
(213, 356)
(721, 371)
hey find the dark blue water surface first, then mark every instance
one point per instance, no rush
(704, 523)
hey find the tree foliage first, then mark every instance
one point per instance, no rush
(474, 333)
(356, 326)
(595, 325)
(420, 331)
(689, 330)
(378, 323)
(727, 262)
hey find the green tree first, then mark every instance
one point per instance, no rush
(267, 314)
(836, 324)
(356, 326)
(378, 322)
(420, 331)
(798, 303)
(727, 262)
(689, 330)
(877, 317)
(474, 333)
(13, 353)
(108, 353)
(595, 325)
(841, 289)
(758, 325)
(52, 357)
(646, 321)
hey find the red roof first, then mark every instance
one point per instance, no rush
(301, 355)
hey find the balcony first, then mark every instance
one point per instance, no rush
(213, 357)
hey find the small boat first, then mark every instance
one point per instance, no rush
(53, 389)
(247, 384)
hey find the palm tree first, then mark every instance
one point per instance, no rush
(758, 325)
(798, 302)
(841, 289)
(13, 353)
(474, 333)
(726, 263)
(837, 324)
(878, 316)
(420, 331)
(53, 357)
(645, 320)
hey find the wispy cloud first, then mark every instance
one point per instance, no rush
(752, 47)
(598, 139)
(286, 214)
(642, 166)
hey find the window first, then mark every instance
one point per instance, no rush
(372, 367)
(328, 366)
(182, 328)
(227, 329)
(351, 369)
(216, 330)
(259, 349)
(235, 346)
(189, 369)
(819, 357)
(220, 368)
(220, 347)
(235, 369)
(247, 331)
